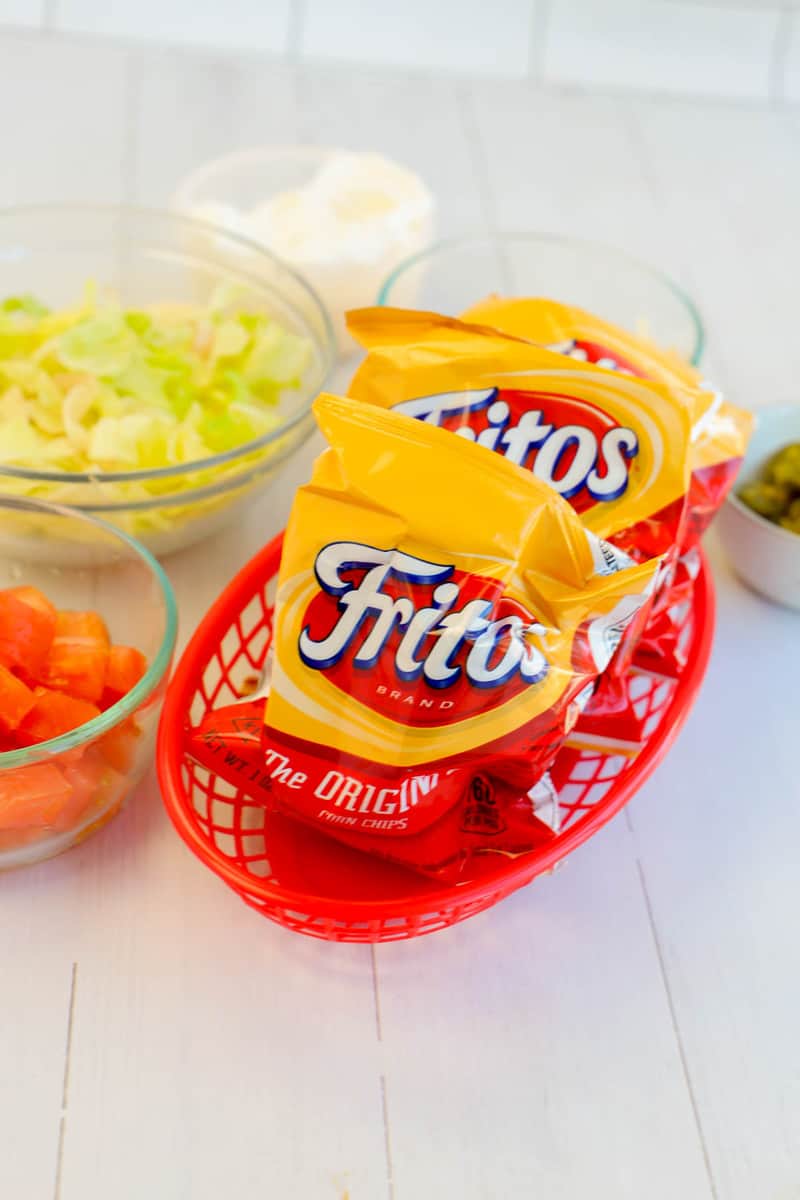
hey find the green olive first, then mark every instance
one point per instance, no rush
(790, 523)
(769, 500)
(784, 467)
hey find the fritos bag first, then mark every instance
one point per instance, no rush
(582, 336)
(616, 447)
(720, 432)
(440, 614)
(614, 444)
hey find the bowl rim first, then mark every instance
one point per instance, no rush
(156, 670)
(325, 344)
(186, 497)
(246, 155)
(531, 235)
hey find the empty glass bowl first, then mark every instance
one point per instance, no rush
(453, 275)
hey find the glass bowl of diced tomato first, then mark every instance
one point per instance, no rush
(85, 652)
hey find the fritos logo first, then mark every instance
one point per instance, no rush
(568, 443)
(600, 356)
(417, 641)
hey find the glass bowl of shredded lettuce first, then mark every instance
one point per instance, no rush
(150, 374)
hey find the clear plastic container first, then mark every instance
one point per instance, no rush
(228, 191)
(150, 257)
(56, 793)
(453, 275)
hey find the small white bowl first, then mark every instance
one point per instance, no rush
(765, 556)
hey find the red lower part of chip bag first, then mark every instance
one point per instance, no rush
(228, 742)
(708, 489)
(661, 647)
(662, 651)
(609, 721)
(437, 821)
(653, 642)
(655, 536)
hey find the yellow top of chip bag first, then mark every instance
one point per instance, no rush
(614, 445)
(719, 430)
(584, 337)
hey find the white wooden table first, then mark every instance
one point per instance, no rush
(627, 1028)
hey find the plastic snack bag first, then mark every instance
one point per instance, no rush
(440, 616)
(720, 431)
(616, 447)
(720, 434)
(228, 741)
(582, 336)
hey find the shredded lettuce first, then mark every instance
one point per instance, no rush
(95, 388)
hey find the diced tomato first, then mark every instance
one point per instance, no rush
(83, 779)
(16, 700)
(74, 810)
(27, 626)
(36, 599)
(97, 787)
(76, 662)
(54, 713)
(125, 666)
(32, 796)
(118, 746)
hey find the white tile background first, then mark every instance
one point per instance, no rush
(666, 45)
(738, 49)
(466, 35)
(22, 12)
(237, 24)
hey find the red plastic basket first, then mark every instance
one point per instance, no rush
(317, 886)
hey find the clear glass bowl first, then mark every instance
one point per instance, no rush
(226, 190)
(453, 275)
(148, 257)
(55, 794)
